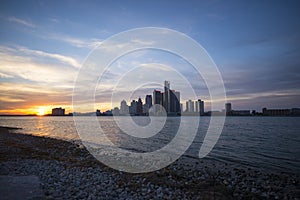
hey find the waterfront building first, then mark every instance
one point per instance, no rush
(228, 108)
(124, 109)
(133, 107)
(139, 107)
(58, 111)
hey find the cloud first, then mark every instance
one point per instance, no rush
(64, 59)
(31, 65)
(2, 75)
(77, 42)
(22, 21)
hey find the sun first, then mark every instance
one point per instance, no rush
(41, 111)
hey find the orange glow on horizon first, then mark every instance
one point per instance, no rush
(34, 110)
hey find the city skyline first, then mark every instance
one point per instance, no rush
(43, 45)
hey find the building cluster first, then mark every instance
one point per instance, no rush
(281, 112)
(160, 102)
(168, 100)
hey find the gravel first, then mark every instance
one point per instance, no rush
(68, 171)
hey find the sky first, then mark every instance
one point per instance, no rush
(43, 44)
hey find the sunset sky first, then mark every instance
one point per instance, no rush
(255, 45)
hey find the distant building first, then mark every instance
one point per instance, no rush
(199, 104)
(133, 107)
(148, 104)
(197, 107)
(116, 111)
(174, 106)
(58, 111)
(157, 97)
(240, 112)
(295, 111)
(124, 109)
(276, 112)
(166, 96)
(190, 106)
(108, 113)
(139, 107)
(148, 100)
(228, 108)
(98, 113)
(201, 107)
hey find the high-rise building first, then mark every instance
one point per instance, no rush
(157, 97)
(139, 107)
(190, 106)
(133, 107)
(148, 100)
(228, 108)
(124, 109)
(166, 96)
(197, 105)
(201, 107)
(177, 102)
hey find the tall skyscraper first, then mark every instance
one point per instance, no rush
(124, 109)
(148, 100)
(197, 104)
(177, 102)
(166, 96)
(201, 107)
(133, 107)
(139, 107)
(190, 106)
(157, 97)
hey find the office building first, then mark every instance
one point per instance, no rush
(133, 107)
(124, 109)
(139, 107)
(58, 111)
(228, 108)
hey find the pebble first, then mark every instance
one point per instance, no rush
(65, 179)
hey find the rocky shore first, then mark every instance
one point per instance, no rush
(68, 171)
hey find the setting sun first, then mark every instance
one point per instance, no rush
(41, 111)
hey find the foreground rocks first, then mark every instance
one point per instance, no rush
(68, 171)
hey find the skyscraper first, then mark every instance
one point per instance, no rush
(197, 104)
(190, 106)
(124, 109)
(166, 96)
(157, 97)
(133, 107)
(139, 107)
(201, 107)
(148, 100)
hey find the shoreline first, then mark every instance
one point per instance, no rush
(67, 170)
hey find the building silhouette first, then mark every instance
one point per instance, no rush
(133, 107)
(124, 108)
(58, 111)
(190, 106)
(139, 107)
(276, 112)
(228, 108)
(199, 107)
(166, 96)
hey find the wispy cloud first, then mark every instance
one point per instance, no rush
(31, 65)
(64, 59)
(22, 21)
(77, 42)
(31, 54)
(3, 75)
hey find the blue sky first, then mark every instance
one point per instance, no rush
(255, 46)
